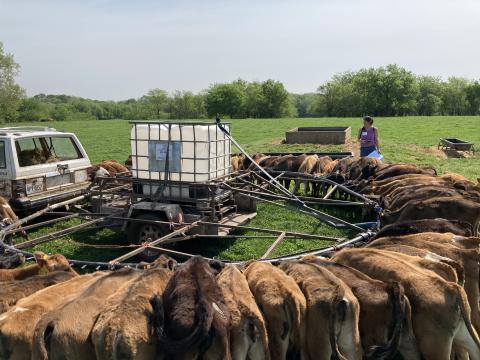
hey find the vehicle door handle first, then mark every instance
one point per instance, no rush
(61, 168)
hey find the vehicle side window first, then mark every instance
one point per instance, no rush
(3, 162)
(64, 148)
(44, 150)
(29, 152)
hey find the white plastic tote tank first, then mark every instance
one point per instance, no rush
(197, 152)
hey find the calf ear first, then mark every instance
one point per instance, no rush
(41, 258)
(171, 264)
(216, 265)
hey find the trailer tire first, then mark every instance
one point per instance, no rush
(139, 233)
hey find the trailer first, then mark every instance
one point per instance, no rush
(181, 188)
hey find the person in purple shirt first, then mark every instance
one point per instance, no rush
(368, 137)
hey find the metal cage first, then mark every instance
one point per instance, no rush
(177, 161)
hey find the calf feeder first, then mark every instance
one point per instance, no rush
(456, 144)
(181, 187)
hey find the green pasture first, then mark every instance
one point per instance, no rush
(403, 139)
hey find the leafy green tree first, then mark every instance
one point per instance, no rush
(156, 101)
(401, 91)
(32, 109)
(387, 91)
(254, 99)
(183, 105)
(226, 99)
(309, 105)
(60, 112)
(339, 97)
(276, 100)
(305, 104)
(11, 94)
(473, 98)
(454, 96)
(430, 95)
(318, 106)
(200, 106)
(291, 109)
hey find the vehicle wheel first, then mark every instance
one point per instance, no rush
(138, 233)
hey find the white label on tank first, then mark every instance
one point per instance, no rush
(161, 152)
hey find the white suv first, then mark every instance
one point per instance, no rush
(40, 166)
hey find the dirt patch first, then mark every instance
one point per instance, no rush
(353, 146)
(458, 154)
(432, 150)
(435, 151)
(442, 154)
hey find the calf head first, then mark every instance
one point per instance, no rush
(165, 262)
(49, 263)
(369, 171)
(216, 266)
(241, 162)
(101, 172)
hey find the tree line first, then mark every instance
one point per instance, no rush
(392, 91)
(382, 91)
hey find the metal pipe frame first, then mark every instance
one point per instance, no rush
(270, 189)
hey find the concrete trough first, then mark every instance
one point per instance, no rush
(318, 135)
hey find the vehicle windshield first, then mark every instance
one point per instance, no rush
(46, 149)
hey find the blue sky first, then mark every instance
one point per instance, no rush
(121, 49)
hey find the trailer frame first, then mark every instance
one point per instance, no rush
(226, 204)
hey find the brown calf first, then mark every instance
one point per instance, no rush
(450, 208)
(308, 166)
(191, 320)
(323, 165)
(332, 315)
(426, 225)
(364, 168)
(441, 314)
(248, 337)
(17, 325)
(390, 187)
(468, 258)
(45, 264)
(447, 269)
(64, 332)
(283, 306)
(236, 161)
(424, 192)
(123, 329)
(12, 291)
(111, 166)
(385, 314)
(369, 186)
(402, 169)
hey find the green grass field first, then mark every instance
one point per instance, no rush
(406, 139)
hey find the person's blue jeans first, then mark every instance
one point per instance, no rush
(367, 150)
